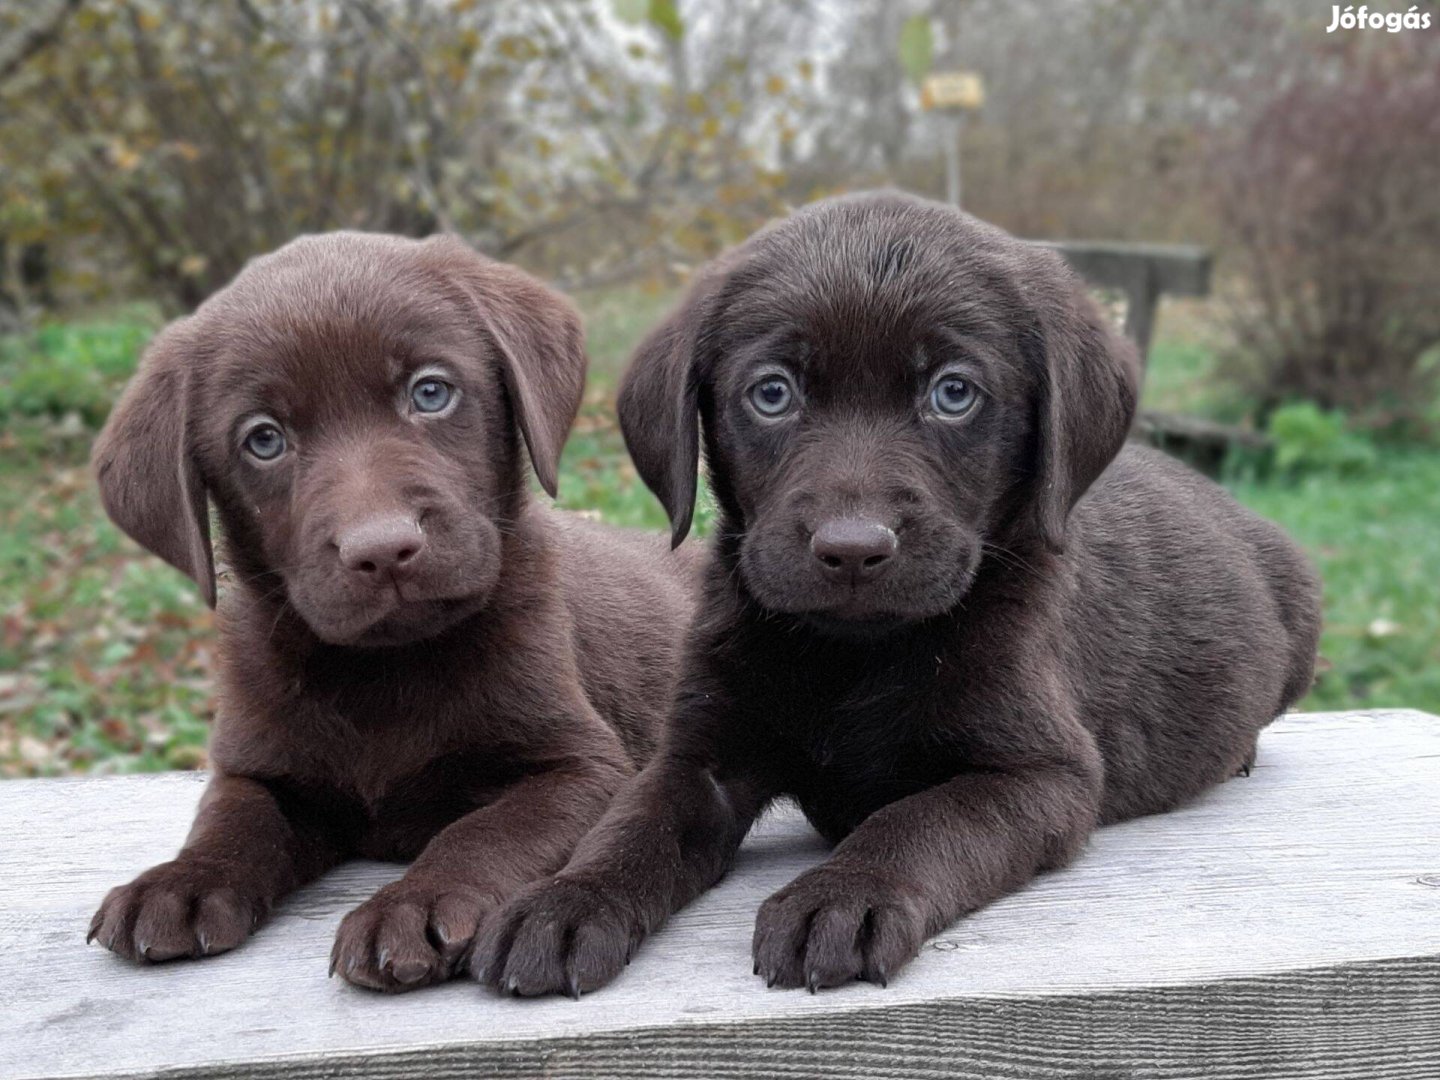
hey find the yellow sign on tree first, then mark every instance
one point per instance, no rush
(953, 90)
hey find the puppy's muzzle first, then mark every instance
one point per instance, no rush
(853, 551)
(383, 549)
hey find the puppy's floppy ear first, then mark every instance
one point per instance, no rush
(1088, 389)
(659, 403)
(542, 351)
(144, 460)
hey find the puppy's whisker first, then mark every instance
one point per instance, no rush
(1008, 557)
(275, 623)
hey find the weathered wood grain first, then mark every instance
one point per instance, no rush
(1285, 925)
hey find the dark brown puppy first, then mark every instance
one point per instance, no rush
(943, 615)
(417, 662)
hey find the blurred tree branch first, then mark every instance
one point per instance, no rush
(167, 141)
(193, 136)
(35, 38)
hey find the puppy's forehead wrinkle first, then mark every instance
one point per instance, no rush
(353, 281)
(843, 308)
(893, 259)
(305, 365)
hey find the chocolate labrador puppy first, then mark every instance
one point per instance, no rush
(417, 662)
(950, 612)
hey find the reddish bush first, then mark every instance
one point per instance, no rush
(1331, 204)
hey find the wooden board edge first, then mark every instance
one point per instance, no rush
(1352, 1020)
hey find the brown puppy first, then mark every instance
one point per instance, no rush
(943, 615)
(417, 662)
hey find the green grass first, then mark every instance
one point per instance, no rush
(106, 654)
(1177, 379)
(1376, 540)
(1180, 374)
(615, 319)
(69, 369)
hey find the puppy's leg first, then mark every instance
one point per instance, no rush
(669, 835)
(913, 867)
(414, 931)
(244, 853)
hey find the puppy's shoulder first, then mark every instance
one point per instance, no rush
(1153, 525)
(1141, 474)
(592, 554)
(1147, 491)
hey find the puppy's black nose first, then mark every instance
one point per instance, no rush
(381, 548)
(853, 549)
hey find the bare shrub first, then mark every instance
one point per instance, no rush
(1330, 201)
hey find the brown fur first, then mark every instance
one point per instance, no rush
(471, 700)
(961, 643)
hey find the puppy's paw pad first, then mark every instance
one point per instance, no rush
(556, 937)
(171, 911)
(830, 927)
(455, 918)
(405, 936)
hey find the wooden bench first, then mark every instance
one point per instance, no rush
(1202, 444)
(1143, 272)
(1284, 925)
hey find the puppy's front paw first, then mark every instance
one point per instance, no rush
(408, 935)
(831, 926)
(176, 909)
(557, 937)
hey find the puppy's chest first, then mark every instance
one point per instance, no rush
(389, 759)
(396, 823)
(397, 746)
(398, 788)
(850, 753)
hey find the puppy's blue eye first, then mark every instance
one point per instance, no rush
(265, 441)
(431, 395)
(772, 396)
(953, 396)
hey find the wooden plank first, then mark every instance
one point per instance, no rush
(1201, 444)
(1284, 925)
(1177, 269)
(1144, 272)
